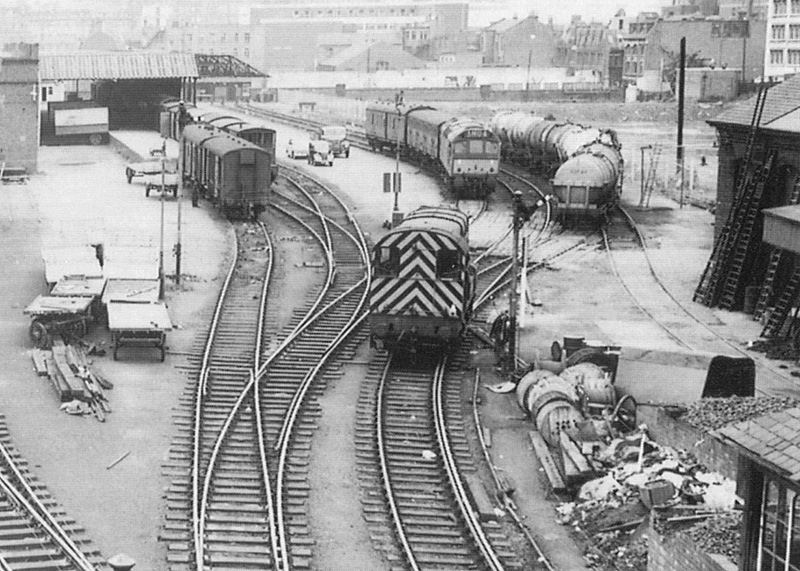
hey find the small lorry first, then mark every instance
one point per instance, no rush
(336, 135)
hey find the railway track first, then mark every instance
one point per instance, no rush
(35, 533)
(247, 423)
(416, 470)
(687, 329)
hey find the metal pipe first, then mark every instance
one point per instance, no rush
(512, 298)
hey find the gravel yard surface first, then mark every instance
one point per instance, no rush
(81, 194)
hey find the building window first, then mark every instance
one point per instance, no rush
(246, 52)
(778, 32)
(794, 31)
(236, 38)
(794, 57)
(779, 534)
(795, 6)
(247, 38)
(776, 56)
(779, 7)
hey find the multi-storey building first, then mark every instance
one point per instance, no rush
(586, 46)
(519, 42)
(632, 34)
(782, 57)
(284, 35)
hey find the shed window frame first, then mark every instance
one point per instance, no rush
(387, 261)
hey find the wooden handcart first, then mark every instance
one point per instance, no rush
(149, 168)
(138, 324)
(54, 315)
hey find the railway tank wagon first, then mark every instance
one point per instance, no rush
(585, 163)
(423, 283)
(588, 185)
(235, 174)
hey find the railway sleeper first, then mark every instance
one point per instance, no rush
(232, 547)
(55, 564)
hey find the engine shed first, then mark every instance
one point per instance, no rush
(130, 85)
(750, 267)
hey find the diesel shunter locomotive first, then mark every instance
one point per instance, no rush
(423, 283)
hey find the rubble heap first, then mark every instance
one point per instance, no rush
(645, 483)
(711, 413)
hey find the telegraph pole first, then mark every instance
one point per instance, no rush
(681, 91)
(398, 102)
(182, 119)
(161, 247)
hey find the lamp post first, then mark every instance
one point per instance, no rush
(528, 75)
(183, 118)
(161, 242)
(398, 102)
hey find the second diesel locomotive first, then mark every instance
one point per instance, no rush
(423, 283)
(585, 163)
(462, 150)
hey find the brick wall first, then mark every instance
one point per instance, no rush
(678, 552)
(19, 113)
(709, 451)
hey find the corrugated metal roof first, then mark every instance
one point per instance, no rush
(781, 100)
(117, 65)
(772, 437)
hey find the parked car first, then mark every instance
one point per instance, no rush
(297, 148)
(336, 135)
(320, 153)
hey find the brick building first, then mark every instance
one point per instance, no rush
(19, 111)
(632, 34)
(747, 185)
(586, 46)
(722, 43)
(519, 42)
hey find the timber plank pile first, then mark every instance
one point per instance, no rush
(79, 385)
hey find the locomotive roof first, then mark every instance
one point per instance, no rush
(448, 222)
(459, 126)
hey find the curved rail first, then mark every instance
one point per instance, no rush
(642, 241)
(25, 497)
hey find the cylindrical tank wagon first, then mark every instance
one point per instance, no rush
(585, 163)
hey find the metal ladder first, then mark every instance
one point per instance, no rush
(787, 298)
(765, 293)
(650, 181)
(744, 247)
(707, 289)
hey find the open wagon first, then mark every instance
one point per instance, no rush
(58, 315)
(138, 324)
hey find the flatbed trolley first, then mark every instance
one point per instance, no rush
(138, 324)
(52, 315)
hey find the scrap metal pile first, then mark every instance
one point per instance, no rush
(588, 443)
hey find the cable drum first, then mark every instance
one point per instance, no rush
(527, 382)
(596, 384)
(555, 417)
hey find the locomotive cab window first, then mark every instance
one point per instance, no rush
(387, 261)
(447, 264)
